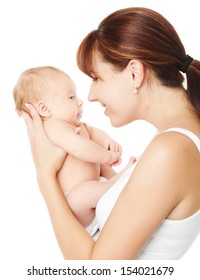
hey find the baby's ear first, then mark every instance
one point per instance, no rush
(43, 109)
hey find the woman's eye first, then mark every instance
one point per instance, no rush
(94, 78)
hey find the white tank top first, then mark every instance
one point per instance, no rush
(173, 238)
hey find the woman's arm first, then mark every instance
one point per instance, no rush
(73, 240)
(151, 193)
(154, 189)
(48, 159)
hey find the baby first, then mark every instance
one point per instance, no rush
(90, 152)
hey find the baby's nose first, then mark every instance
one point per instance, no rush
(79, 102)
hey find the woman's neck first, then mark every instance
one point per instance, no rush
(168, 107)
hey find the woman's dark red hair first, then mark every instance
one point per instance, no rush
(141, 33)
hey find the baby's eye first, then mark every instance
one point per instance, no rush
(72, 97)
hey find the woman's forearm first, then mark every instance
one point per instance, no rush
(74, 241)
(72, 238)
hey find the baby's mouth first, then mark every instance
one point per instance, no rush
(79, 115)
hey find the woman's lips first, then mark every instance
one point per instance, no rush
(106, 112)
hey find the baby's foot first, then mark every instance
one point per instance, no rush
(132, 160)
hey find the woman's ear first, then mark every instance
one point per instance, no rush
(137, 70)
(43, 109)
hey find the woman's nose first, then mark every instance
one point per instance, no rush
(92, 95)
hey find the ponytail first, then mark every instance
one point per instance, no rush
(193, 85)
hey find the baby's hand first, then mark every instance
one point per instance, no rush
(116, 158)
(114, 147)
(116, 151)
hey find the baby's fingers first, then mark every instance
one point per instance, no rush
(119, 149)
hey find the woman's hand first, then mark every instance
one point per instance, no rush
(47, 157)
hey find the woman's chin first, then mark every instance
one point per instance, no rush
(116, 123)
(119, 122)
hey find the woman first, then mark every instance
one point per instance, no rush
(135, 59)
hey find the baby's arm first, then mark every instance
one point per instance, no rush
(103, 139)
(65, 137)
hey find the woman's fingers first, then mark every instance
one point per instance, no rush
(36, 119)
(28, 120)
(46, 155)
(34, 123)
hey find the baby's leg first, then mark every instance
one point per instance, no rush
(83, 198)
(132, 160)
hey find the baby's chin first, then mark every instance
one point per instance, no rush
(77, 122)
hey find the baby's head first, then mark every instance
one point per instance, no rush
(32, 86)
(41, 86)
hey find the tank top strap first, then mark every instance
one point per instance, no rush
(188, 133)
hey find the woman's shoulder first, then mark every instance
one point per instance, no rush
(171, 143)
(165, 160)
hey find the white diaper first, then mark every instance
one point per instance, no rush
(93, 227)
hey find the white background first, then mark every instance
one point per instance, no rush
(48, 32)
